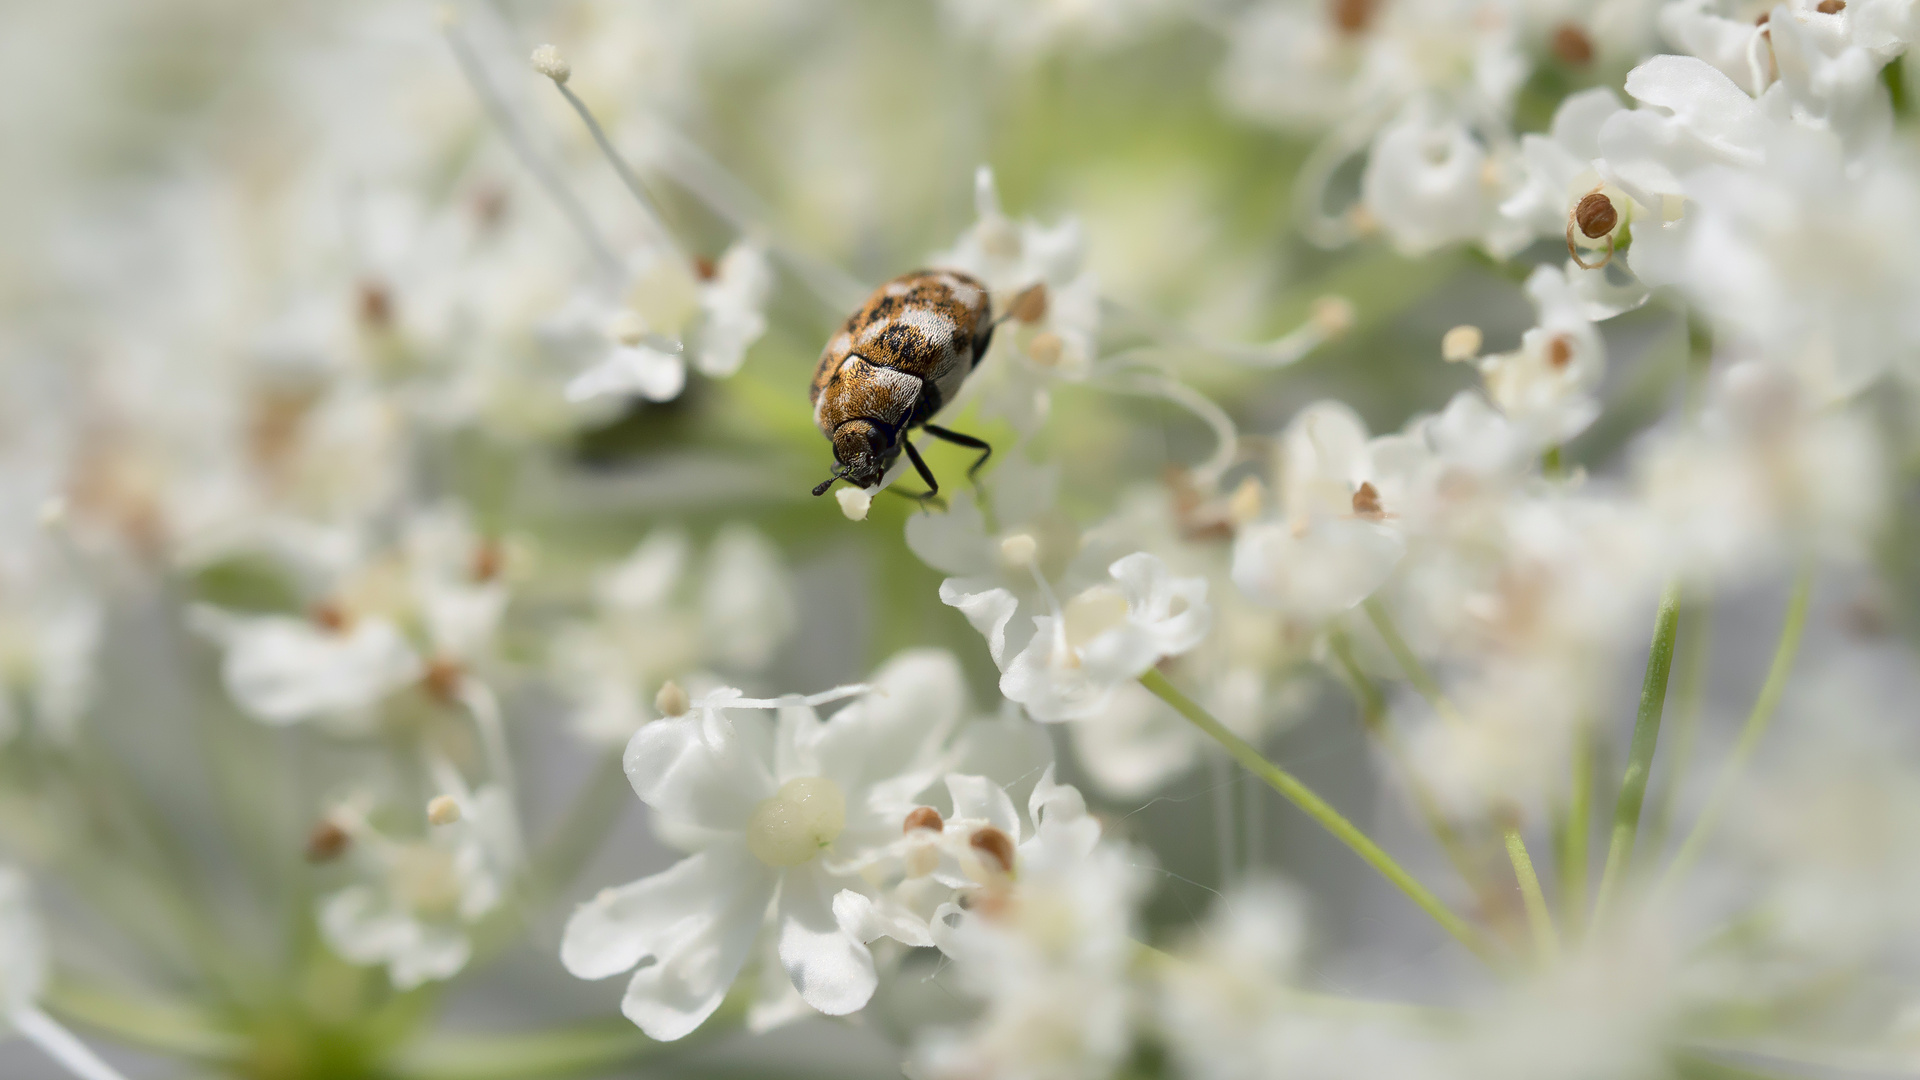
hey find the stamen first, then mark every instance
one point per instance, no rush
(1595, 215)
(671, 700)
(994, 846)
(443, 810)
(922, 817)
(1366, 502)
(1831, 7)
(1353, 17)
(1560, 352)
(635, 186)
(1461, 344)
(1031, 305)
(1572, 45)
(327, 842)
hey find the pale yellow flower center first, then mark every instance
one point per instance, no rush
(803, 817)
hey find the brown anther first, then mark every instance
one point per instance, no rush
(1765, 16)
(1031, 305)
(375, 304)
(1353, 16)
(488, 560)
(704, 268)
(1366, 502)
(442, 679)
(922, 817)
(993, 845)
(490, 205)
(331, 617)
(1831, 7)
(327, 842)
(1572, 45)
(1595, 215)
(1560, 352)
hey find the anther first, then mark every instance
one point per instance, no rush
(1595, 215)
(1353, 16)
(1461, 344)
(547, 61)
(1332, 315)
(1243, 506)
(1366, 502)
(327, 842)
(488, 560)
(1560, 352)
(1031, 305)
(1046, 349)
(443, 810)
(671, 700)
(922, 817)
(331, 617)
(442, 679)
(1831, 7)
(1765, 17)
(1572, 45)
(375, 303)
(995, 846)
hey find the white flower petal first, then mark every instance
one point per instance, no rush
(830, 967)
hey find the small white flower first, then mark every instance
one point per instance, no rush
(1545, 387)
(1105, 637)
(772, 812)
(283, 669)
(413, 917)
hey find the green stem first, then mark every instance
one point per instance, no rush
(1579, 828)
(1317, 808)
(1692, 692)
(1546, 940)
(589, 1049)
(1646, 737)
(1373, 718)
(1416, 672)
(1784, 651)
(147, 1023)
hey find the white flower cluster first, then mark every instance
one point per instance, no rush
(402, 438)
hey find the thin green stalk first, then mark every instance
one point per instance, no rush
(1578, 828)
(1784, 651)
(649, 207)
(1695, 650)
(1546, 940)
(1317, 808)
(1373, 718)
(1646, 737)
(1416, 672)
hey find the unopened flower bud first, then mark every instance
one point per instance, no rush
(922, 817)
(1595, 215)
(854, 502)
(671, 700)
(994, 847)
(1332, 315)
(1046, 349)
(1031, 305)
(1019, 549)
(443, 810)
(547, 61)
(327, 842)
(1462, 343)
(627, 328)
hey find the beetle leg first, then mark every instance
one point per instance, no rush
(920, 466)
(968, 441)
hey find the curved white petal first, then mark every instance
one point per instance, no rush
(704, 768)
(830, 967)
(621, 926)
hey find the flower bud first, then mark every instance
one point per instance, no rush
(443, 810)
(547, 61)
(671, 700)
(854, 502)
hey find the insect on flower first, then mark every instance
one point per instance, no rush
(897, 361)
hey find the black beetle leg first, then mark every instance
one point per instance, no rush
(968, 441)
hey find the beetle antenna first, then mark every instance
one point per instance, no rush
(821, 488)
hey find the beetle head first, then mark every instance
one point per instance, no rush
(861, 451)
